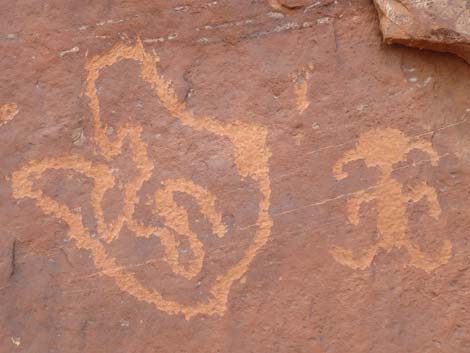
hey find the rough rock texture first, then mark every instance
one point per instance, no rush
(442, 25)
(229, 176)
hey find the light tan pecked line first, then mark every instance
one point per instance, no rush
(251, 159)
(301, 82)
(178, 218)
(382, 148)
(7, 112)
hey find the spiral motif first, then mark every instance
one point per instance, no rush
(176, 220)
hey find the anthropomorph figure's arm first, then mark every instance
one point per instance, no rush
(425, 146)
(424, 190)
(349, 156)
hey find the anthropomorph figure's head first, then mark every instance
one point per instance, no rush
(382, 148)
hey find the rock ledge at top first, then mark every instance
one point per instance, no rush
(441, 25)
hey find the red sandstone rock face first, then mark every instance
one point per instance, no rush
(229, 176)
(293, 4)
(442, 25)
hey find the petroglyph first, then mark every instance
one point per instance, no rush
(382, 148)
(301, 81)
(178, 217)
(69, 51)
(251, 158)
(7, 112)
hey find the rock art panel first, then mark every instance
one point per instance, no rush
(187, 192)
(383, 148)
(251, 158)
(442, 25)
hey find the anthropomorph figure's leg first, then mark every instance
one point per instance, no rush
(418, 258)
(426, 262)
(347, 258)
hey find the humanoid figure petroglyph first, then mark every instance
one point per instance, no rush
(382, 148)
(250, 156)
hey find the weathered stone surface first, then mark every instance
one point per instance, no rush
(293, 4)
(442, 25)
(229, 177)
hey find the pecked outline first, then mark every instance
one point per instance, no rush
(250, 153)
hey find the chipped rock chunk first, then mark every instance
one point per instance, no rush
(441, 25)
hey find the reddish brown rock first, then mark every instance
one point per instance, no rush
(224, 177)
(293, 4)
(442, 25)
